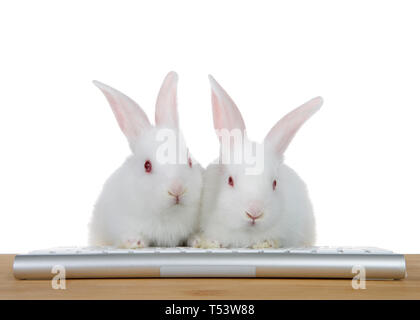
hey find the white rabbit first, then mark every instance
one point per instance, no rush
(148, 201)
(267, 209)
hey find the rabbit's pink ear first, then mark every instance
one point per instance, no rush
(226, 114)
(130, 117)
(284, 130)
(166, 113)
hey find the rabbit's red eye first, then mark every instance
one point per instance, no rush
(148, 166)
(190, 162)
(274, 184)
(230, 181)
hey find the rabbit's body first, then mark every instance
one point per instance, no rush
(146, 201)
(241, 207)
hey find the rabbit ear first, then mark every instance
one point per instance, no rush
(166, 113)
(284, 130)
(130, 117)
(226, 114)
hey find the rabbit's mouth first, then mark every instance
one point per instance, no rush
(177, 198)
(253, 217)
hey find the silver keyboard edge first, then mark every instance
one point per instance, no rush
(270, 265)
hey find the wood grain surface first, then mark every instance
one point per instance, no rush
(209, 288)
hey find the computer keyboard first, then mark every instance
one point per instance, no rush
(306, 262)
(113, 250)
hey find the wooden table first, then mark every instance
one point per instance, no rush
(10, 288)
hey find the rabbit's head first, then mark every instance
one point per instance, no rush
(246, 186)
(162, 167)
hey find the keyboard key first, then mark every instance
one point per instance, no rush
(273, 250)
(168, 250)
(221, 250)
(302, 250)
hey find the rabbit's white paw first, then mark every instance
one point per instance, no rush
(135, 243)
(265, 244)
(201, 242)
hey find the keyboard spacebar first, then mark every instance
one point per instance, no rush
(207, 271)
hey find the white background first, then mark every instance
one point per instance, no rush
(359, 155)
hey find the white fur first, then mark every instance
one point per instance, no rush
(134, 208)
(287, 218)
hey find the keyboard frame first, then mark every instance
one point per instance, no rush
(313, 262)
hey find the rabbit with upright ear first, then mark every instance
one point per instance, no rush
(254, 208)
(154, 197)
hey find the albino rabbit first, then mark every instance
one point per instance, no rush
(270, 208)
(148, 201)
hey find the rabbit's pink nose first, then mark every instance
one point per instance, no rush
(176, 189)
(255, 210)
